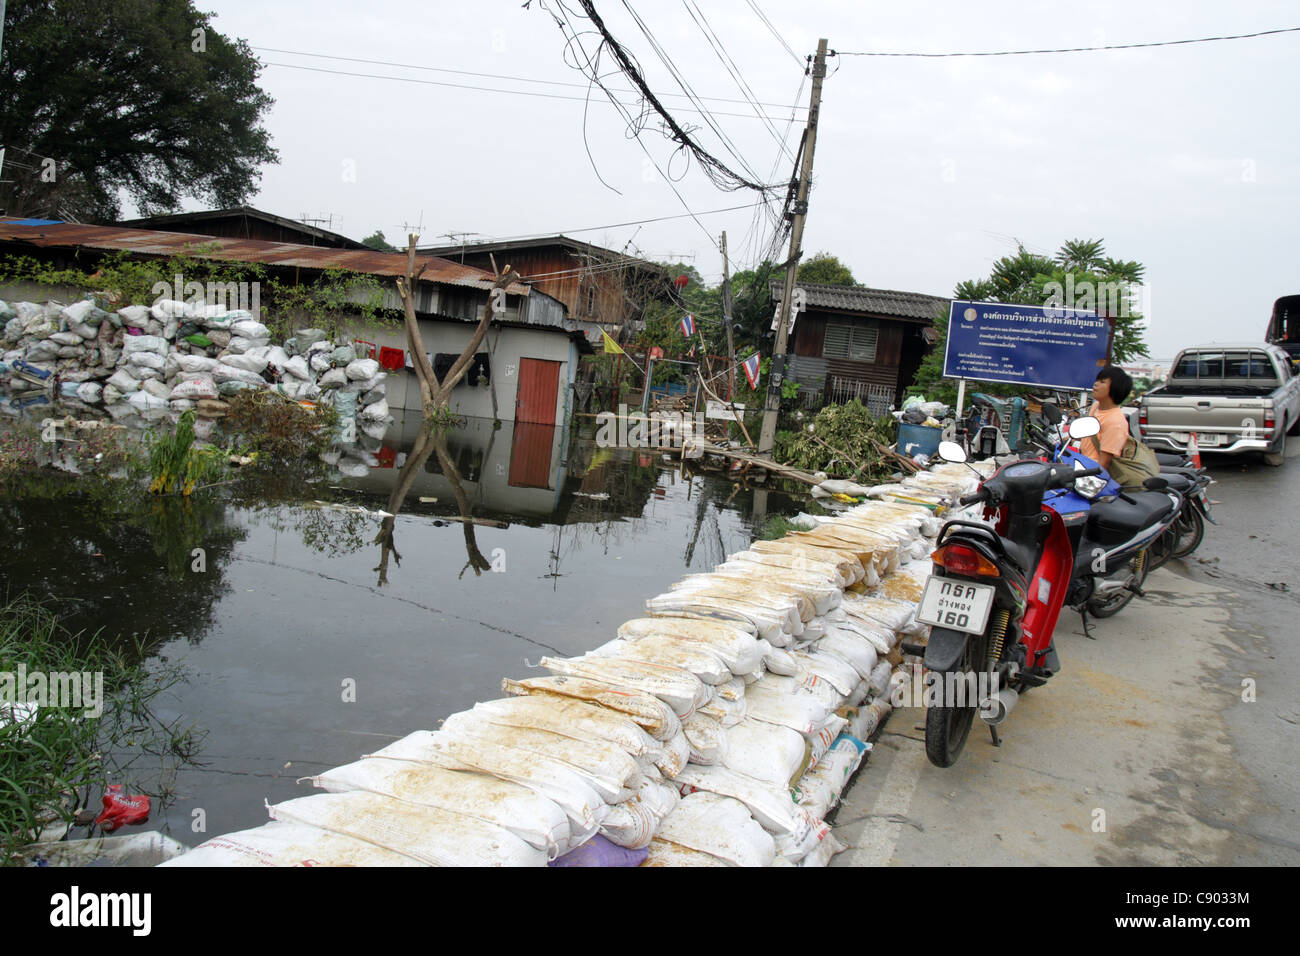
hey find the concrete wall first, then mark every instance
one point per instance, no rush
(507, 345)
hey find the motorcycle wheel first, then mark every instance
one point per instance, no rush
(1163, 548)
(1191, 529)
(947, 728)
(1136, 568)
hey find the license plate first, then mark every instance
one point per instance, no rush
(956, 604)
(1211, 439)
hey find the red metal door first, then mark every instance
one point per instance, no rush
(539, 385)
(530, 455)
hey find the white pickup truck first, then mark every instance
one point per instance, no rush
(1236, 398)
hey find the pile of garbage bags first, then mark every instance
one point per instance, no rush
(718, 729)
(140, 363)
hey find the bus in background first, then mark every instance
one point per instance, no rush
(1284, 326)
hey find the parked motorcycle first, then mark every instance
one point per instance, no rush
(993, 600)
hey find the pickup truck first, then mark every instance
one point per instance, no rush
(1237, 398)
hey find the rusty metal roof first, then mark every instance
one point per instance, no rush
(861, 299)
(150, 242)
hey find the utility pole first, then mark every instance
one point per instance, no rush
(773, 403)
(726, 321)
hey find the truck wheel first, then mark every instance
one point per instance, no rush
(1277, 456)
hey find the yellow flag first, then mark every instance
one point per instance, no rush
(611, 347)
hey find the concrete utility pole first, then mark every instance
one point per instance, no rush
(726, 321)
(770, 408)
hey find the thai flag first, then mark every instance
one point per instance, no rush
(751, 370)
(688, 325)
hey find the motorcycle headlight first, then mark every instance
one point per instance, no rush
(1090, 486)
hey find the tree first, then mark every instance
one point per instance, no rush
(135, 96)
(825, 268)
(377, 242)
(1079, 276)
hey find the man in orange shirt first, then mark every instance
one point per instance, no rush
(1113, 385)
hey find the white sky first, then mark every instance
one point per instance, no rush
(1184, 158)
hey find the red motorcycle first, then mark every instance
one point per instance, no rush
(993, 600)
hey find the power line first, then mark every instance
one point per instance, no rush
(617, 225)
(463, 86)
(1083, 49)
(488, 76)
(780, 39)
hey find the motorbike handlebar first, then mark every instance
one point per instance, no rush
(978, 496)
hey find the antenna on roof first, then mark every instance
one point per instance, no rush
(452, 236)
(324, 220)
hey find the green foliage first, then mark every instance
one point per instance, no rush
(377, 242)
(142, 97)
(174, 463)
(825, 268)
(841, 440)
(278, 429)
(60, 760)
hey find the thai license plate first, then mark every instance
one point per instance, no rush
(1210, 439)
(957, 604)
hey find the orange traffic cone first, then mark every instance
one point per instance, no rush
(1194, 450)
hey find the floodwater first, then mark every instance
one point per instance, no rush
(307, 644)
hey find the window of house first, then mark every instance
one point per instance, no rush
(591, 301)
(857, 342)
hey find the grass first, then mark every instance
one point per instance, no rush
(58, 761)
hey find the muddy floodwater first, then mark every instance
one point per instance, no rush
(306, 644)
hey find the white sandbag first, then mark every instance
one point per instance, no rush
(526, 813)
(768, 624)
(707, 738)
(780, 661)
(157, 389)
(374, 395)
(43, 351)
(820, 787)
(194, 390)
(633, 823)
(676, 755)
(146, 360)
(362, 369)
(764, 751)
(376, 412)
(699, 659)
(249, 363)
(551, 778)
(124, 382)
(320, 363)
(132, 344)
(839, 674)
(228, 373)
(161, 310)
(719, 826)
(432, 836)
(772, 703)
(288, 844)
(572, 718)
(143, 401)
(820, 855)
(670, 855)
(334, 378)
(880, 678)
(820, 740)
(182, 405)
(876, 634)
(239, 345)
(857, 651)
(92, 393)
(250, 329)
(374, 382)
(196, 363)
(66, 338)
(726, 712)
(738, 649)
(609, 769)
(794, 828)
(680, 689)
(647, 711)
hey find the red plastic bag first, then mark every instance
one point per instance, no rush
(121, 809)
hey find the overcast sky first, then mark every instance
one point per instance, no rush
(1185, 158)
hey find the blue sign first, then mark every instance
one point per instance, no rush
(1034, 345)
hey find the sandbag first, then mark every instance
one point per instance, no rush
(647, 711)
(334, 378)
(362, 369)
(633, 822)
(572, 718)
(90, 392)
(764, 751)
(195, 389)
(699, 659)
(289, 844)
(375, 413)
(196, 363)
(680, 689)
(297, 367)
(719, 826)
(124, 382)
(248, 363)
(432, 836)
(250, 329)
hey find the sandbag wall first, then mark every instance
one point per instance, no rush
(142, 363)
(717, 729)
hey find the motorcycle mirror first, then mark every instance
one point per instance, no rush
(1052, 412)
(1084, 427)
(951, 451)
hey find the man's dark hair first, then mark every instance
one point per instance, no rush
(1121, 385)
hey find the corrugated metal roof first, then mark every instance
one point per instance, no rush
(859, 298)
(150, 242)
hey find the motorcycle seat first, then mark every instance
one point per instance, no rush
(1177, 480)
(1165, 458)
(1113, 522)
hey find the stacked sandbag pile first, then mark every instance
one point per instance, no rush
(141, 363)
(719, 729)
